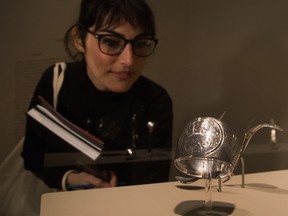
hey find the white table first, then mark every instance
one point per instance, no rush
(264, 194)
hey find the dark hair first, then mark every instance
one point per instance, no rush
(110, 13)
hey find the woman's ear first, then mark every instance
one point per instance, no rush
(77, 39)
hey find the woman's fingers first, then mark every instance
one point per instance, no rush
(113, 179)
(84, 178)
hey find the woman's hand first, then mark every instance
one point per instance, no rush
(84, 178)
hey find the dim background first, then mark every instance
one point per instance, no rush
(213, 56)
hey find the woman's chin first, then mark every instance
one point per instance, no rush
(121, 88)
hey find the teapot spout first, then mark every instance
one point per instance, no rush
(253, 130)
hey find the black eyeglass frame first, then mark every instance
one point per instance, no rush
(142, 36)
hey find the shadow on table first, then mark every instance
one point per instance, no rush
(196, 207)
(190, 187)
(263, 187)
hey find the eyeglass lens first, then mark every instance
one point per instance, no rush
(113, 45)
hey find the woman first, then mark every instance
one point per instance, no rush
(105, 94)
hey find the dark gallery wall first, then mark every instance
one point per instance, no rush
(213, 56)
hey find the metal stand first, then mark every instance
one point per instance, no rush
(243, 172)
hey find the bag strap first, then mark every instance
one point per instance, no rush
(58, 78)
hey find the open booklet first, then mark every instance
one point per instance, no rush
(47, 116)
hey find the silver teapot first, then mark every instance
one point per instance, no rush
(209, 148)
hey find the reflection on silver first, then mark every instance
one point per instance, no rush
(273, 133)
(209, 144)
(130, 152)
(150, 126)
(186, 180)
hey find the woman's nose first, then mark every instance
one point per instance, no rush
(127, 56)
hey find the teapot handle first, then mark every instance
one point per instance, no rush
(253, 130)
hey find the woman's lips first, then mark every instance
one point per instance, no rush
(122, 75)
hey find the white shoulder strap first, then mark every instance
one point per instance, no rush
(58, 77)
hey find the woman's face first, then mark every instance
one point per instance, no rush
(113, 73)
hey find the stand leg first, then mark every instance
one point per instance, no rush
(208, 198)
(243, 172)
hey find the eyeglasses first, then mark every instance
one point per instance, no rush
(113, 45)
